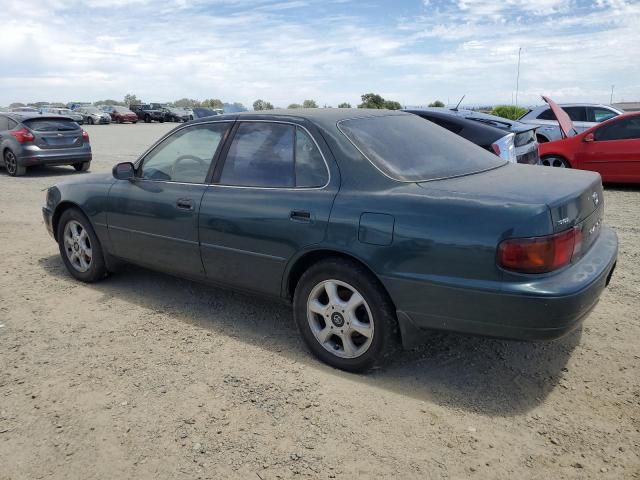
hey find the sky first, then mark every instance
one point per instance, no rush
(332, 51)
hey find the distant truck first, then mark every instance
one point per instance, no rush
(147, 113)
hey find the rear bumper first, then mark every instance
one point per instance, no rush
(535, 309)
(34, 155)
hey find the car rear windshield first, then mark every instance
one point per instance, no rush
(408, 149)
(51, 124)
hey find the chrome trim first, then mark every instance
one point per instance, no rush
(245, 252)
(326, 164)
(155, 235)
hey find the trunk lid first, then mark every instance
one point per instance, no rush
(572, 196)
(55, 132)
(566, 125)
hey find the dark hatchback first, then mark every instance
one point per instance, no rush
(30, 139)
(374, 224)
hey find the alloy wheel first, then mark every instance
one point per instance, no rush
(77, 246)
(554, 162)
(340, 319)
(11, 163)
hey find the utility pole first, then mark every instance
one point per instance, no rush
(611, 97)
(518, 75)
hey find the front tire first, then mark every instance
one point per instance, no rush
(11, 164)
(345, 316)
(80, 248)
(553, 161)
(82, 167)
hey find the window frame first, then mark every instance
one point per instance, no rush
(222, 160)
(216, 156)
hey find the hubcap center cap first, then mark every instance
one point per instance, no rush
(76, 246)
(337, 319)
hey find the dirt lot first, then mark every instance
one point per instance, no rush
(146, 376)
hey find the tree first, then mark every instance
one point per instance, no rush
(344, 105)
(508, 111)
(186, 103)
(262, 105)
(16, 105)
(294, 105)
(212, 103)
(131, 99)
(309, 104)
(371, 100)
(437, 103)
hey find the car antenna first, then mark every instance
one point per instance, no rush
(456, 107)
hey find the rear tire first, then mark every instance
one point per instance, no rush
(90, 121)
(353, 328)
(147, 119)
(82, 167)
(12, 166)
(79, 247)
(135, 121)
(553, 161)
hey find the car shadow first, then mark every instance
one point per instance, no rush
(621, 187)
(482, 375)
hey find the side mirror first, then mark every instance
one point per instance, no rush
(124, 171)
(589, 137)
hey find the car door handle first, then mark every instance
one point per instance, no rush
(300, 216)
(185, 203)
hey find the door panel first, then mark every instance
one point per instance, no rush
(277, 201)
(151, 223)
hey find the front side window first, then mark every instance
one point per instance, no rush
(185, 156)
(599, 114)
(625, 129)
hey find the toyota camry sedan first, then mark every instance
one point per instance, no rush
(374, 225)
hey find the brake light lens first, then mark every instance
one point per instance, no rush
(540, 254)
(505, 148)
(85, 136)
(22, 135)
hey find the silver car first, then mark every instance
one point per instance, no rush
(75, 116)
(93, 115)
(28, 139)
(583, 116)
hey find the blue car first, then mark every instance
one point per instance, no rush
(373, 225)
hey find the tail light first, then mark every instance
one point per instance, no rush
(504, 148)
(85, 135)
(23, 135)
(540, 254)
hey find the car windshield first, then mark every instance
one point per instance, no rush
(408, 149)
(51, 125)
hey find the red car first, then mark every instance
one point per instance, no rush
(122, 114)
(611, 148)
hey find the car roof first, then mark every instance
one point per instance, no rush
(325, 117)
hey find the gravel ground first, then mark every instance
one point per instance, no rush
(147, 376)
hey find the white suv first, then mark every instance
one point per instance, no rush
(583, 115)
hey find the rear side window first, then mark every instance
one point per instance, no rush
(261, 155)
(311, 171)
(576, 114)
(4, 123)
(408, 149)
(547, 115)
(51, 125)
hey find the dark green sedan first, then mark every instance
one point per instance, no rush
(375, 225)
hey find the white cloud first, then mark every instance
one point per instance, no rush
(240, 50)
